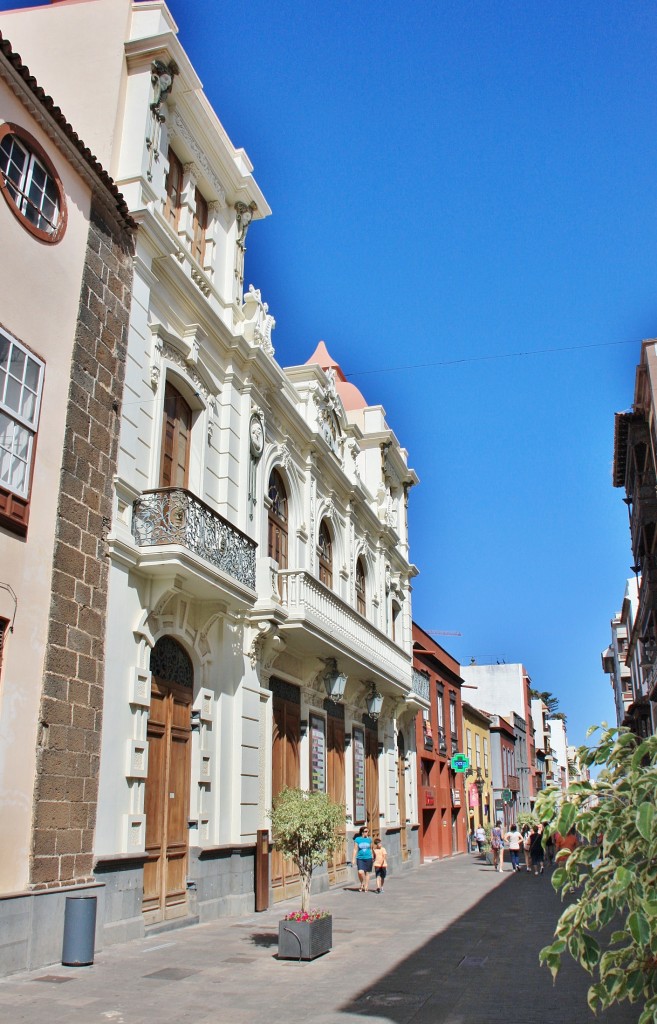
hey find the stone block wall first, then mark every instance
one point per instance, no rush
(68, 750)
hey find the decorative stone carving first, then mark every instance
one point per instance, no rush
(162, 76)
(258, 321)
(178, 127)
(243, 218)
(266, 646)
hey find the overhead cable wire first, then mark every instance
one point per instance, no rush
(491, 356)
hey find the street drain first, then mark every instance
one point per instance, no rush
(473, 961)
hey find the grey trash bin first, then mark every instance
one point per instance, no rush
(79, 931)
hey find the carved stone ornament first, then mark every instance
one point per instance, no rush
(244, 216)
(162, 76)
(174, 356)
(178, 127)
(266, 645)
(258, 321)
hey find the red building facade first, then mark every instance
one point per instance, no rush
(442, 809)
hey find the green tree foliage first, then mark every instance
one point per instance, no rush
(527, 818)
(610, 923)
(305, 829)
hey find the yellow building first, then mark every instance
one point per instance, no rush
(479, 780)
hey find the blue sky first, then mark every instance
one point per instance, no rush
(454, 183)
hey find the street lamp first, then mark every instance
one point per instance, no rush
(334, 681)
(374, 702)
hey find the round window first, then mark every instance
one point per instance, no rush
(30, 184)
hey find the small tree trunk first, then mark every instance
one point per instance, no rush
(306, 877)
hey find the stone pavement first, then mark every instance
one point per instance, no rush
(452, 942)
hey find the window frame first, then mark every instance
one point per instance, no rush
(325, 555)
(199, 226)
(173, 191)
(360, 587)
(36, 153)
(278, 520)
(15, 503)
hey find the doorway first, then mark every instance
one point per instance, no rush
(401, 795)
(286, 709)
(166, 799)
(337, 865)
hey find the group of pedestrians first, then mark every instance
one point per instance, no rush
(533, 844)
(368, 855)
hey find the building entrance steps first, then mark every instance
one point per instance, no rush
(453, 942)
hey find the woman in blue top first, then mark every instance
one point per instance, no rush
(363, 857)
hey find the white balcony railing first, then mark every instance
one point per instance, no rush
(307, 601)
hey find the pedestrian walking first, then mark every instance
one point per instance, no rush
(536, 851)
(565, 844)
(363, 857)
(548, 843)
(497, 845)
(480, 838)
(526, 839)
(380, 865)
(514, 839)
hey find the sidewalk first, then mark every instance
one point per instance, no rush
(451, 943)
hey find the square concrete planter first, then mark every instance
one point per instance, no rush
(304, 940)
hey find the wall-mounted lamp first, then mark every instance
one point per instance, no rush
(347, 739)
(380, 746)
(334, 681)
(374, 702)
(303, 726)
(196, 720)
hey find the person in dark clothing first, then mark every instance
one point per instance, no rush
(536, 851)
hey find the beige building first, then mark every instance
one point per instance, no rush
(66, 273)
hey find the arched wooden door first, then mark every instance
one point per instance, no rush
(401, 795)
(168, 783)
(286, 708)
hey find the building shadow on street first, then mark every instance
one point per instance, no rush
(484, 968)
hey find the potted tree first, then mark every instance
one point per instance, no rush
(305, 830)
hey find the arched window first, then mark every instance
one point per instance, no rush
(30, 184)
(277, 519)
(361, 604)
(325, 555)
(171, 663)
(176, 435)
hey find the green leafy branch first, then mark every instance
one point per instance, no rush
(610, 879)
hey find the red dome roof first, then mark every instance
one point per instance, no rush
(350, 395)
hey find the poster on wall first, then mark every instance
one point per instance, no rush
(317, 753)
(359, 775)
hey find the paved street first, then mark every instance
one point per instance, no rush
(408, 957)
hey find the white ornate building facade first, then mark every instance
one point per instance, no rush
(259, 616)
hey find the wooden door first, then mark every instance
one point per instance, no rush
(167, 802)
(372, 782)
(285, 772)
(401, 798)
(337, 866)
(176, 430)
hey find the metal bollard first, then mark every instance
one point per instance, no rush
(79, 931)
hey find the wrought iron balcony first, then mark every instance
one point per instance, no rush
(421, 683)
(173, 515)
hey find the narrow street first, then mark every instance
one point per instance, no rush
(449, 943)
